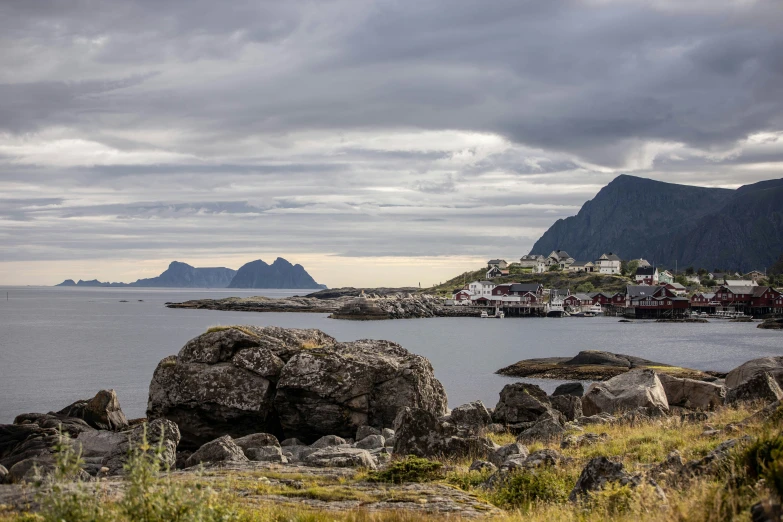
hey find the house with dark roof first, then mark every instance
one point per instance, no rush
(500, 263)
(646, 275)
(495, 271)
(582, 266)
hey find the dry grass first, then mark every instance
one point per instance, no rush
(541, 495)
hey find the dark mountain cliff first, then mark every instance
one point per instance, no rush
(182, 275)
(280, 274)
(668, 223)
(177, 275)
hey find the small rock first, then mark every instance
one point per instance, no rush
(266, 454)
(256, 440)
(500, 455)
(482, 465)
(292, 442)
(600, 418)
(577, 389)
(578, 441)
(334, 457)
(569, 405)
(366, 431)
(473, 415)
(387, 433)
(222, 449)
(599, 472)
(760, 387)
(548, 427)
(3, 474)
(371, 442)
(327, 441)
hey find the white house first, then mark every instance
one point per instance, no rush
(646, 275)
(609, 263)
(533, 262)
(500, 263)
(480, 289)
(582, 266)
(559, 258)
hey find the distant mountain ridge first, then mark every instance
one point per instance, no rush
(183, 275)
(280, 274)
(670, 224)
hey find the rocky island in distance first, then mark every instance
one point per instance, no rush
(255, 274)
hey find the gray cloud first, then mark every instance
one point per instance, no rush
(139, 126)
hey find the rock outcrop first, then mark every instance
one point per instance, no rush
(629, 391)
(748, 370)
(418, 432)
(290, 383)
(761, 387)
(692, 394)
(102, 412)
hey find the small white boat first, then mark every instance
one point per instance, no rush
(484, 315)
(500, 315)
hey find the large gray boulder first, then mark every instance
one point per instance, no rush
(635, 389)
(745, 371)
(102, 412)
(257, 440)
(288, 382)
(520, 402)
(692, 394)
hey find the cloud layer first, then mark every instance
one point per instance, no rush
(424, 135)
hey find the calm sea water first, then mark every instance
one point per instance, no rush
(58, 345)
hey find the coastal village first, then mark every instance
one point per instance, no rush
(650, 293)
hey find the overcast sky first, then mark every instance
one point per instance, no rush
(375, 143)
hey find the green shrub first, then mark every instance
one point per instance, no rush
(410, 469)
(764, 459)
(469, 480)
(149, 496)
(523, 490)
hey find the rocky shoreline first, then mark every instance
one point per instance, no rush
(392, 305)
(288, 410)
(594, 365)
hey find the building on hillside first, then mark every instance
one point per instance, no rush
(500, 263)
(642, 262)
(462, 295)
(677, 288)
(693, 278)
(665, 277)
(582, 266)
(559, 258)
(533, 263)
(754, 275)
(496, 272)
(646, 275)
(609, 263)
(740, 282)
(479, 289)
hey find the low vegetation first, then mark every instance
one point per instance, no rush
(753, 473)
(577, 282)
(409, 469)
